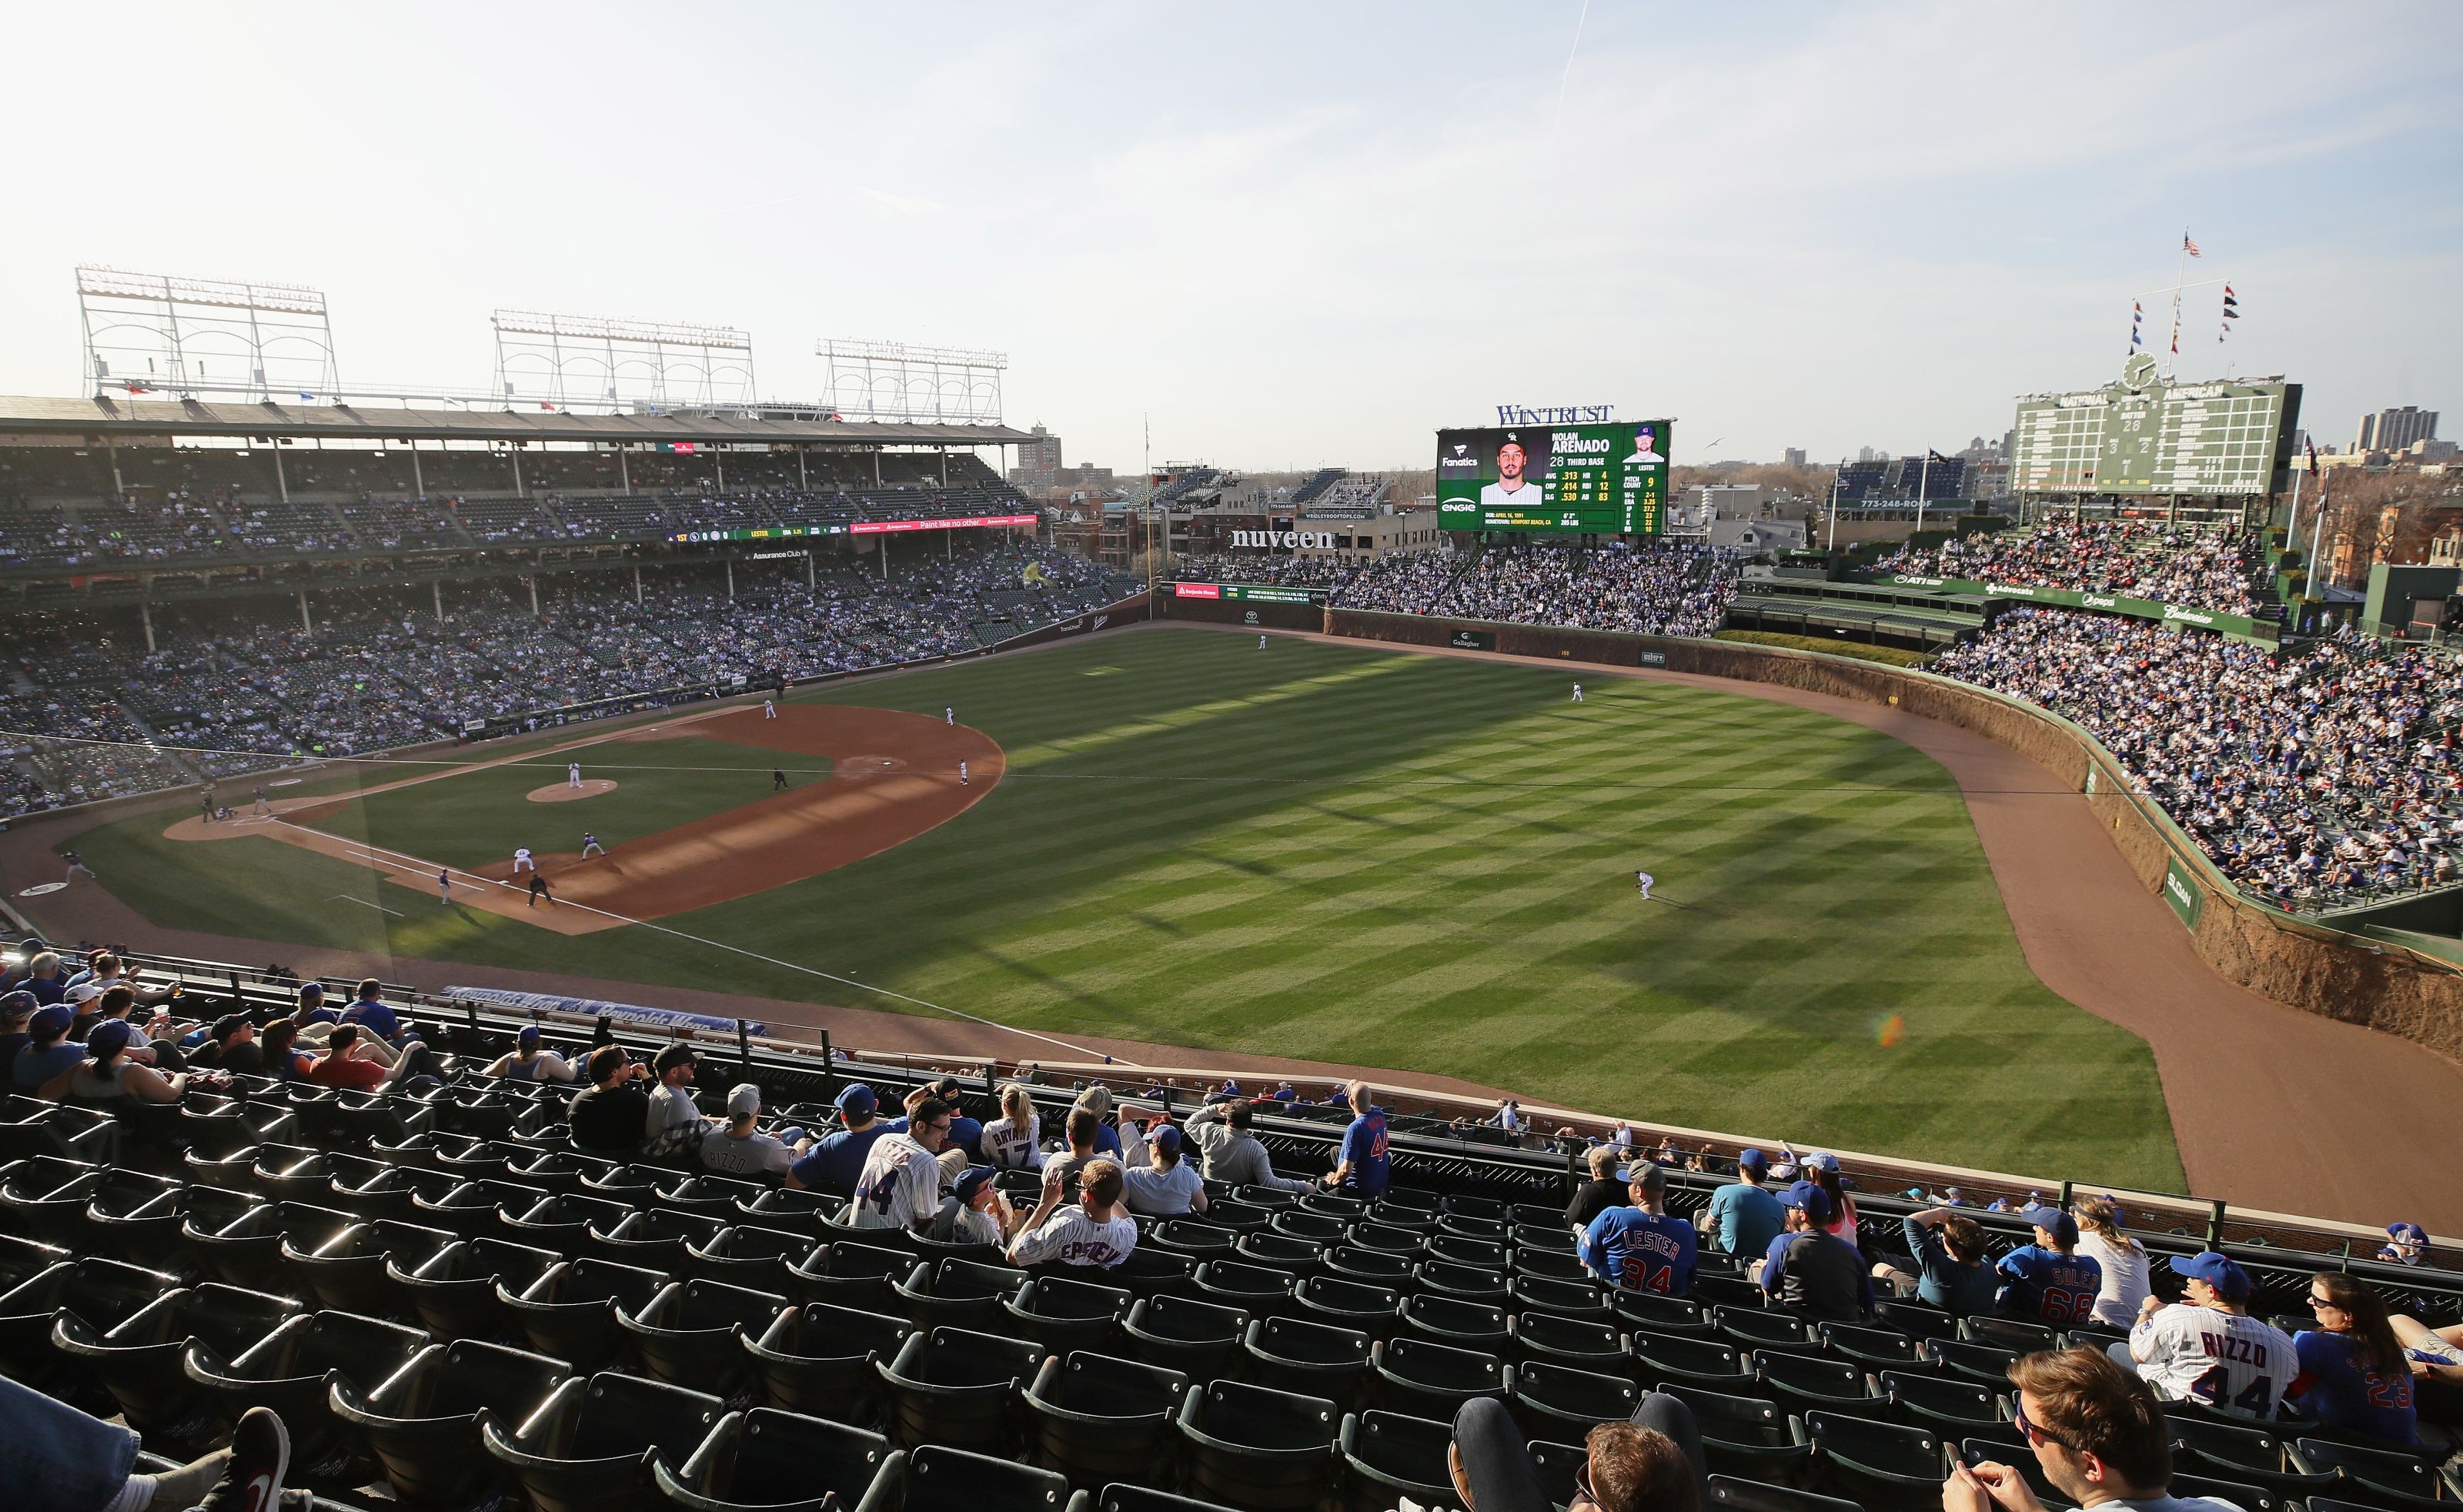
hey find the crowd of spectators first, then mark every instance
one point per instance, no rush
(2204, 567)
(234, 682)
(2316, 777)
(1661, 587)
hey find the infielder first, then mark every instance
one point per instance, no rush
(523, 859)
(264, 809)
(1642, 880)
(769, 709)
(962, 772)
(573, 769)
(590, 846)
(443, 887)
(777, 780)
(1578, 698)
(77, 864)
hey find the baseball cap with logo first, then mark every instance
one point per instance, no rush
(18, 1004)
(1165, 1139)
(857, 1100)
(229, 1024)
(2215, 1270)
(55, 1019)
(743, 1100)
(1752, 1159)
(1811, 1199)
(972, 1181)
(529, 1037)
(109, 1036)
(82, 992)
(2052, 1220)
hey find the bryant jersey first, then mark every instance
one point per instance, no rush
(2223, 1359)
(2044, 1286)
(1638, 1251)
(900, 1188)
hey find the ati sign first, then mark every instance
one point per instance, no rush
(1282, 540)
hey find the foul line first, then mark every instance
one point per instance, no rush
(346, 897)
(475, 880)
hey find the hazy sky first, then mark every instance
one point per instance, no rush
(1292, 235)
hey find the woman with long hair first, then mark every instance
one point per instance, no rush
(107, 1075)
(1013, 1142)
(1824, 1169)
(2103, 1239)
(2359, 1379)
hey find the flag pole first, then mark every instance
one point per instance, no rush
(2180, 278)
(2317, 540)
(1923, 478)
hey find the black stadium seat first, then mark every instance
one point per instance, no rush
(138, 1360)
(782, 1462)
(1256, 1448)
(1063, 1314)
(422, 1422)
(949, 1386)
(823, 1361)
(692, 1335)
(587, 1447)
(1389, 1457)
(1307, 1358)
(1419, 1378)
(1199, 1339)
(1095, 1419)
(569, 1313)
(944, 1479)
(289, 1370)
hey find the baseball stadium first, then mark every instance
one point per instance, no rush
(602, 942)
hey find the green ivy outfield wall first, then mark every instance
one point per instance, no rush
(2264, 630)
(2264, 949)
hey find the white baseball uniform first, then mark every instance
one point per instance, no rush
(769, 709)
(573, 774)
(949, 714)
(522, 858)
(2223, 1359)
(1578, 693)
(962, 774)
(1643, 880)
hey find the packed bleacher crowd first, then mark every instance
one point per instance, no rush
(1663, 587)
(2316, 777)
(302, 1240)
(2204, 567)
(234, 682)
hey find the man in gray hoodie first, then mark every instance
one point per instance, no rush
(1230, 1154)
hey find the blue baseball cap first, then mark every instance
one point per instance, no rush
(18, 1003)
(2215, 1270)
(1166, 1139)
(1809, 1197)
(1754, 1158)
(2400, 1233)
(971, 1182)
(53, 1019)
(2053, 1221)
(528, 1036)
(856, 1099)
(1823, 1160)
(311, 989)
(109, 1036)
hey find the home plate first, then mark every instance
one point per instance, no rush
(41, 888)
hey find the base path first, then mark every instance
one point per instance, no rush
(2272, 1107)
(893, 776)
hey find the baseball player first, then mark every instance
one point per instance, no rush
(1578, 693)
(573, 771)
(264, 809)
(538, 890)
(949, 713)
(1261, 642)
(443, 888)
(777, 780)
(1643, 880)
(769, 709)
(590, 846)
(962, 771)
(77, 864)
(522, 860)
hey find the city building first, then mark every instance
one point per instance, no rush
(1793, 456)
(1038, 461)
(2395, 429)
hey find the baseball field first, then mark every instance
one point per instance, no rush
(1313, 850)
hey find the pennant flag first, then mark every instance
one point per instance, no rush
(2232, 302)
(137, 388)
(2189, 247)
(544, 404)
(2312, 459)
(304, 394)
(2137, 314)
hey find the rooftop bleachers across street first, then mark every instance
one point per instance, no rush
(448, 1302)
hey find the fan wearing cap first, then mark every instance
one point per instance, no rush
(740, 1148)
(1745, 1217)
(16, 1012)
(1156, 1181)
(529, 1060)
(901, 1184)
(2048, 1280)
(230, 1047)
(1811, 1271)
(1640, 1248)
(49, 1051)
(836, 1161)
(674, 1126)
(973, 1213)
(107, 1075)
(2406, 1244)
(2208, 1349)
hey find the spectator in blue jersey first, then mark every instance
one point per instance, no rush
(369, 1012)
(1810, 1271)
(1744, 1216)
(1364, 1165)
(2406, 1244)
(2354, 1374)
(964, 1133)
(48, 1051)
(1952, 1268)
(835, 1162)
(311, 1008)
(2048, 1281)
(1640, 1249)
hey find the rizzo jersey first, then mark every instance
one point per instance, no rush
(2223, 1359)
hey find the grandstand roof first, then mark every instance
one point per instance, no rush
(106, 415)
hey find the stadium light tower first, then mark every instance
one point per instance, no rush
(583, 361)
(890, 380)
(147, 332)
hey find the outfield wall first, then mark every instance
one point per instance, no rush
(2270, 952)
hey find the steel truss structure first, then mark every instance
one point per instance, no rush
(890, 380)
(149, 333)
(593, 362)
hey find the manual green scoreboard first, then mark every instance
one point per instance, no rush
(1589, 479)
(2145, 434)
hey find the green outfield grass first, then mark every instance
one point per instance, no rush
(1358, 854)
(476, 817)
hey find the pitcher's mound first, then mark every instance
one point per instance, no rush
(566, 792)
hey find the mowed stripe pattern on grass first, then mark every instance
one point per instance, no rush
(1351, 853)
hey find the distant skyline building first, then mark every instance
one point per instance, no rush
(1038, 461)
(1793, 456)
(2395, 429)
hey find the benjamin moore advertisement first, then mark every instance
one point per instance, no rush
(1599, 480)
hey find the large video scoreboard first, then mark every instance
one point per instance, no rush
(1596, 480)
(2145, 436)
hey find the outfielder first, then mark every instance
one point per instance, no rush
(1261, 642)
(1643, 880)
(949, 713)
(590, 846)
(523, 859)
(573, 769)
(1578, 693)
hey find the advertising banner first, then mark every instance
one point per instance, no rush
(2246, 628)
(2181, 891)
(1250, 592)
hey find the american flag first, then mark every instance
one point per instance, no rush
(2189, 247)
